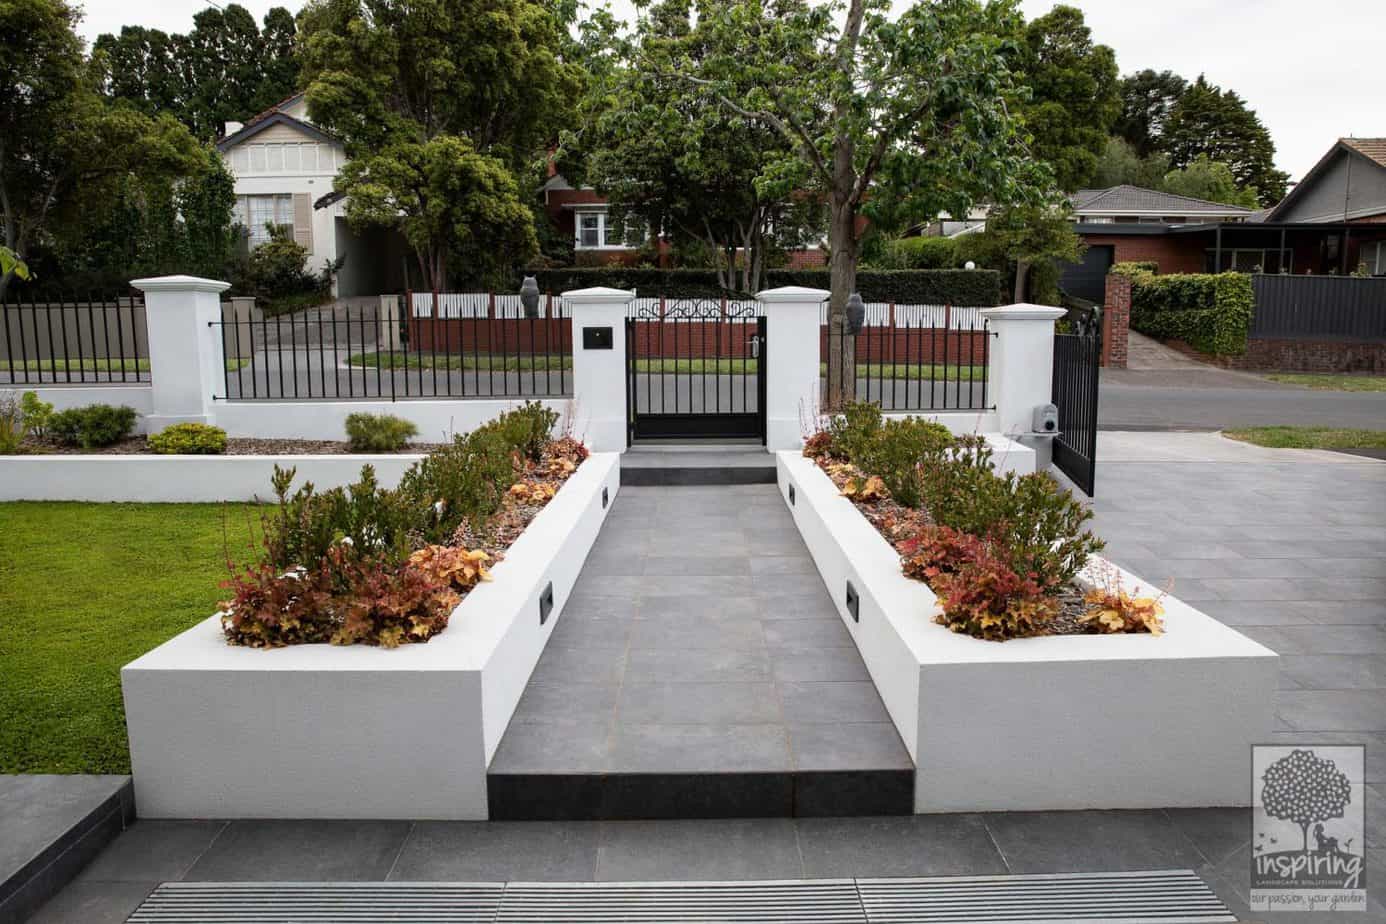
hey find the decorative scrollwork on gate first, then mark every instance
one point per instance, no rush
(695, 309)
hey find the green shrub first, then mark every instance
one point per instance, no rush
(463, 481)
(189, 439)
(307, 523)
(378, 432)
(527, 429)
(37, 414)
(853, 429)
(918, 253)
(980, 287)
(901, 452)
(92, 426)
(1211, 312)
(1133, 268)
(12, 424)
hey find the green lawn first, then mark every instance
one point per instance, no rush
(84, 590)
(1326, 381)
(1310, 437)
(116, 366)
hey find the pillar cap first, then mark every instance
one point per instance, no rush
(600, 295)
(792, 294)
(180, 284)
(1023, 312)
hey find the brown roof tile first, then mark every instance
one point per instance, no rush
(1374, 148)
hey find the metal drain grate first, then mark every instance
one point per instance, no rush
(1162, 895)
(1169, 896)
(792, 902)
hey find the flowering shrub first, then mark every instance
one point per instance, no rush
(1111, 608)
(189, 439)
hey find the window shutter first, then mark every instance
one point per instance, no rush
(303, 220)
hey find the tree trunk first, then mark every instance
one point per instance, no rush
(842, 239)
(1022, 275)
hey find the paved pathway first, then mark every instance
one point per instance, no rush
(1212, 399)
(700, 641)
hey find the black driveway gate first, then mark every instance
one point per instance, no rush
(1076, 359)
(695, 369)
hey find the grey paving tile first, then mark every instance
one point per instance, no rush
(1333, 710)
(586, 665)
(1253, 589)
(771, 587)
(898, 846)
(1360, 612)
(302, 851)
(697, 632)
(699, 749)
(699, 703)
(666, 665)
(843, 746)
(820, 664)
(499, 851)
(586, 600)
(733, 849)
(576, 630)
(709, 587)
(741, 607)
(1322, 639)
(154, 850)
(1216, 833)
(1260, 612)
(1165, 549)
(817, 703)
(572, 747)
(566, 703)
(702, 565)
(782, 564)
(1374, 742)
(806, 633)
(37, 809)
(94, 902)
(613, 563)
(1336, 672)
(1090, 841)
(815, 605)
(704, 543)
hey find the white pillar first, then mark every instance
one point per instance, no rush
(185, 353)
(599, 369)
(792, 390)
(387, 338)
(1020, 376)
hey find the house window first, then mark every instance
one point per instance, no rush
(1249, 260)
(594, 232)
(284, 157)
(1373, 253)
(255, 212)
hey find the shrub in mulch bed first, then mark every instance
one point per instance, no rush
(235, 446)
(378, 566)
(1000, 551)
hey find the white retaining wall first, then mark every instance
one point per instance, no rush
(1059, 722)
(319, 731)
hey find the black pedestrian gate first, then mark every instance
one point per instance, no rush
(695, 369)
(1076, 360)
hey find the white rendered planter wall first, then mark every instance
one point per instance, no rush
(1064, 722)
(317, 731)
(185, 479)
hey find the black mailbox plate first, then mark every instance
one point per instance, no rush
(853, 603)
(546, 603)
(597, 338)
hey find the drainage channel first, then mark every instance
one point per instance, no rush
(1126, 898)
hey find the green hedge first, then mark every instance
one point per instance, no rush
(1212, 313)
(1133, 268)
(928, 287)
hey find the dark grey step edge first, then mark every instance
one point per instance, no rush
(653, 476)
(638, 796)
(47, 874)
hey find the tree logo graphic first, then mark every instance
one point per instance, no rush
(1308, 839)
(1304, 788)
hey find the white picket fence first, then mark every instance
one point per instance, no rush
(453, 305)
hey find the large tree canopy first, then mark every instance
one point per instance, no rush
(1074, 95)
(439, 103)
(917, 108)
(1207, 179)
(672, 157)
(226, 69)
(1146, 100)
(1217, 123)
(63, 149)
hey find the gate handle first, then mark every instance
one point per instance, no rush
(755, 347)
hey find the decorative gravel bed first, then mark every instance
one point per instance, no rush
(235, 446)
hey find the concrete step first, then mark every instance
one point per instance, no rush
(697, 464)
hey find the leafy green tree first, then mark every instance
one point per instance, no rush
(1207, 179)
(226, 68)
(1217, 123)
(1020, 237)
(1075, 97)
(440, 103)
(915, 110)
(63, 149)
(1147, 97)
(673, 158)
(1120, 164)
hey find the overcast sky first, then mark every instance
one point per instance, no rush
(1306, 68)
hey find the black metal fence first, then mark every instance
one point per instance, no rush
(366, 351)
(916, 358)
(1319, 308)
(1076, 361)
(57, 340)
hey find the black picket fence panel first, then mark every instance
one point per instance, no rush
(48, 339)
(1074, 392)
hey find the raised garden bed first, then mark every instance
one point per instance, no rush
(1049, 722)
(321, 731)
